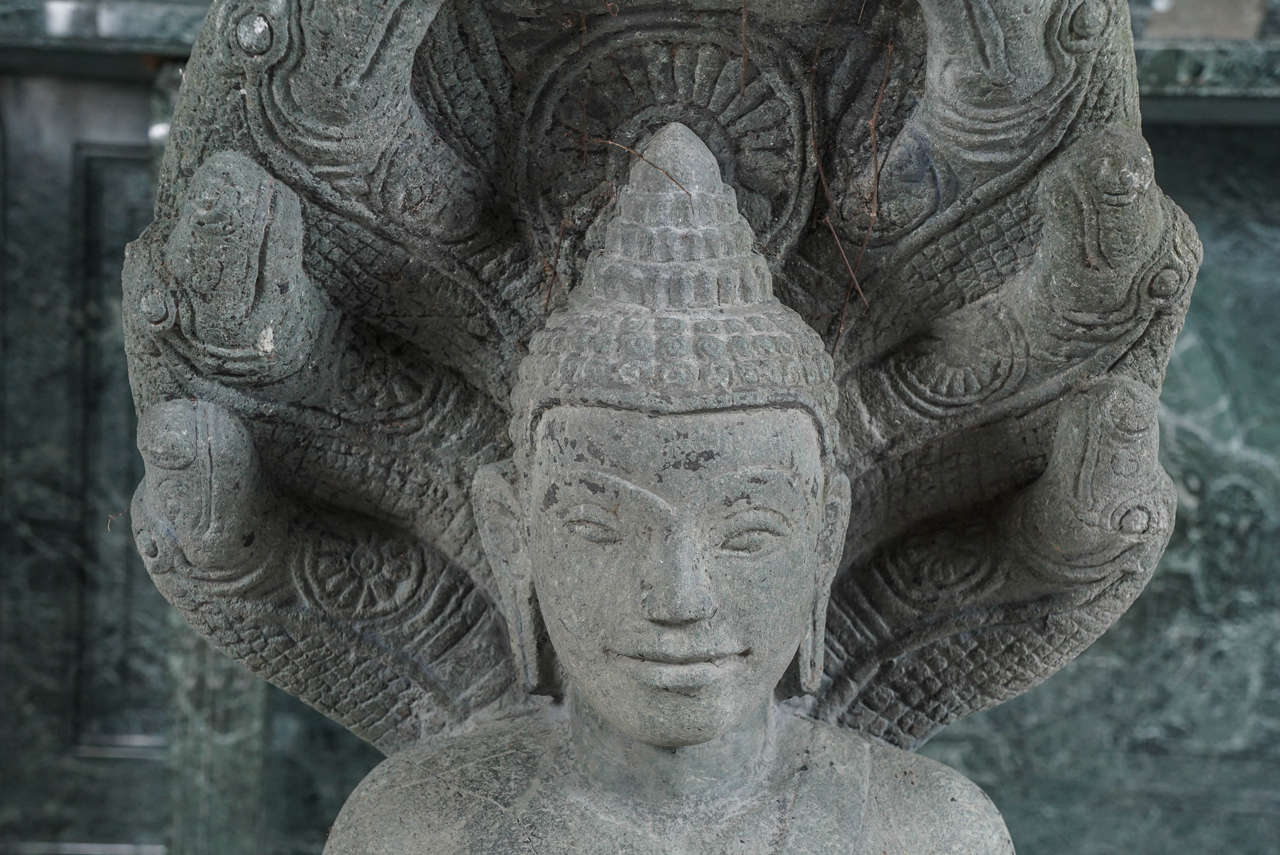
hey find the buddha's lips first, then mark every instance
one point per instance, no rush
(658, 657)
(1119, 198)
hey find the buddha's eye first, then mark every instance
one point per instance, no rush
(754, 532)
(751, 541)
(593, 531)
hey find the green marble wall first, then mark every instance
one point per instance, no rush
(1204, 19)
(120, 727)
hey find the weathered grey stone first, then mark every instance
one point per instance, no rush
(365, 213)
(663, 548)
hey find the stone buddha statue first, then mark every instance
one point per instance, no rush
(648, 422)
(664, 542)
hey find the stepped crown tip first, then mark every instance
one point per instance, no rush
(682, 155)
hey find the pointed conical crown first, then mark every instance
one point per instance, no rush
(676, 312)
(676, 239)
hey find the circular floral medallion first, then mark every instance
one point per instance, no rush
(948, 567)
(364, 580)
(938, 375)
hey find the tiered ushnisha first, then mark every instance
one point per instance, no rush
(676, 312)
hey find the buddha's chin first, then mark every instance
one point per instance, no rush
(674, 717)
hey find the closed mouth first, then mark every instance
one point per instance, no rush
(659, 657)
(1120, 198)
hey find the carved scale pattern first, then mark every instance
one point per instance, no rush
(918, 691)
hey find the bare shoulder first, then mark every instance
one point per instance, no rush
(437, 798)
(929, 807)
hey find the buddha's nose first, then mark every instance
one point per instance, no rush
(677, 590)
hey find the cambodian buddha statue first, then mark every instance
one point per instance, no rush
(664, 542)
(648, 422)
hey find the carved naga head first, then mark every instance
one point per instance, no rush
(671, 523)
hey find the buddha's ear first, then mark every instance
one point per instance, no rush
(835, 525)
(500, 519)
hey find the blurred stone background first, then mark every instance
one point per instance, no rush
(125, 735)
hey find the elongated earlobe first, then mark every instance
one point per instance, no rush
(811, 657)
(501, 524)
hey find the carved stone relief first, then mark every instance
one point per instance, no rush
(368, 209)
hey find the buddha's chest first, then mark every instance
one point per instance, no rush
(794, 823)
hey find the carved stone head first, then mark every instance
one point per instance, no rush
(673, 518)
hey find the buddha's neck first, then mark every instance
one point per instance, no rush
(655, 778)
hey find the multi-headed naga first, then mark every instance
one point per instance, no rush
(647, 421)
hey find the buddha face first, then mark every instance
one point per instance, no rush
(676, 560)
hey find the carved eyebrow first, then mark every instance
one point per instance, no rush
(582, 477)
(761, 476)
(735, 487)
